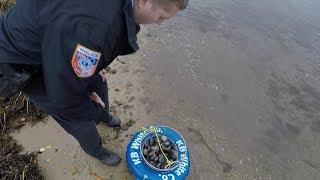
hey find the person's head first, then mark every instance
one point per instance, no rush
(155, 11)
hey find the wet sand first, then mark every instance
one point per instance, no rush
(241, 81)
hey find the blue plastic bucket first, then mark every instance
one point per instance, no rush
(141, 169)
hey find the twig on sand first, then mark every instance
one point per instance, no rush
(120, 61)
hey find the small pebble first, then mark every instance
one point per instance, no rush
(125, 128)
(117, 89)
(129, 123)
(116, 136)
(113, 109)
(127, 106)
(117, 102)
(113, 71)
(22, 119)
(129, 85)
(48, 160)
(42, 149)
(120, 130)
(48, 147)
(132, 98)
(34, 161)
(132, 120)
(74, 171)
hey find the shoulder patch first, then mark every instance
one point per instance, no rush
(84, 61)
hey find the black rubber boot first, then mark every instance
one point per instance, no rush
(109, 158)
(113, 121)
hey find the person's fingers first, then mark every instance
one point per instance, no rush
(94, 96)
(101, 103)
(103, 73)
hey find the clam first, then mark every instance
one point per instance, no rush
(161, 158)
(151, 140)
(159, 165)
(155, 148)
(164, 138)
(174, 155)
(156, 159)
(153, 164)
(146, 143)
(145, 152)
(166, 149)
(153, 154)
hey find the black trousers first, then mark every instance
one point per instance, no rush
(85, 132)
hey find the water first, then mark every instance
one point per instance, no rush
(241, 81)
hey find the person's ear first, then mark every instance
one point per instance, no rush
(145, 3)
(142, 2)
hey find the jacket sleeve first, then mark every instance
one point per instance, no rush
(64, 87)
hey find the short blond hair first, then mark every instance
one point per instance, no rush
(182, 4)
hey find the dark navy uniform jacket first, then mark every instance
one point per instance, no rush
(47, 32)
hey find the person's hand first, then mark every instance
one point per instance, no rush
(103, 74)
(94, 96)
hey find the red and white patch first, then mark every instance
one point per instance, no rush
(84, 61)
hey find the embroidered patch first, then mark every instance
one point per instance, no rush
(85, 61)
